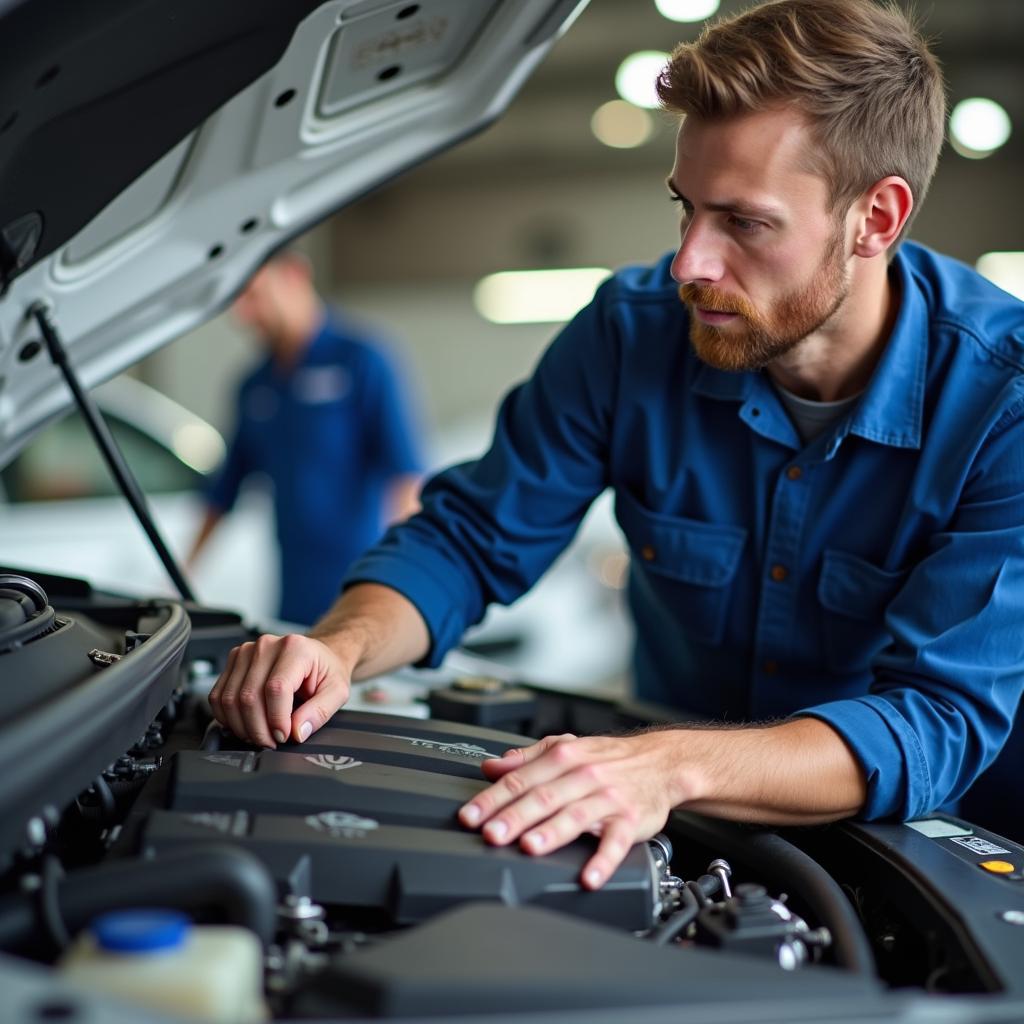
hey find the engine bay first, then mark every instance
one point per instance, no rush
(343, 858)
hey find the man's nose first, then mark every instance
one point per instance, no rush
(697, 260)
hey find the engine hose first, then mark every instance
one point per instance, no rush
(787, 865)
(679, 921)
(698, 893)
(223, 879)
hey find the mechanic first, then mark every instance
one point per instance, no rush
(815, 439)
(325, 418)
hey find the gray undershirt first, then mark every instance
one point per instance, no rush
(813, 418)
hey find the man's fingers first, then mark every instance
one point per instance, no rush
(495, 767)
(617, 838)
(316, 711)
(568, 824)
(252, 691)
(293, 666)
(254, 695)
(562, 799)
(218, 687)
(512, 785)
(224, 695)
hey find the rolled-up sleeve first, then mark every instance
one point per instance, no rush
(947, 687)
(489, 528)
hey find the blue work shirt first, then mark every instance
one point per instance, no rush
(873, 578)
(331, 433)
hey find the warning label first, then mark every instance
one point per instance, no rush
(978, 845)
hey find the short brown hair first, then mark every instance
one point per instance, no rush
(859, 71)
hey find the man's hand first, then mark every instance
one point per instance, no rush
(254, 694)
(369, 630)
(797, 772)
(620, 787)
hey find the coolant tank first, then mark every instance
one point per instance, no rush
(160, 960)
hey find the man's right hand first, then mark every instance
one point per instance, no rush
(253, 696)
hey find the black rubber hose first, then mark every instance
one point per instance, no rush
(782, 863)
(706, 887)
(823, 895)
(223, 879)
(679, 921)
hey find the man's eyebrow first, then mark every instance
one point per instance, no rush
(737, 206)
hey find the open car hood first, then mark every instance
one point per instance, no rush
(152, 154)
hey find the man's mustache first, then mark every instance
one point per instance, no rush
(713, 301)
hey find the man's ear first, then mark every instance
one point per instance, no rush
(879, 216)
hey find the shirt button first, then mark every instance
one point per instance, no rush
(647, 553)
(779, 573)
(770, 667)
(794, 472)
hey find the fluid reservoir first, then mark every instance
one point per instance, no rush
(161, 960)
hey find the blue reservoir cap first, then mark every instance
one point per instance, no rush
(140, 931)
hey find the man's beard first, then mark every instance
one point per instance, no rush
(766, 336)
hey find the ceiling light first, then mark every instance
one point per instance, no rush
(634, 81)
(686, 10)
(1005, 269)
(978, 127)
(536, 296)
(198, 445)
(622, 125)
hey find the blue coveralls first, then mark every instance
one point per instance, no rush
(330, 434)
(873, 578)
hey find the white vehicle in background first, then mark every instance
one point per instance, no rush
(61, 512)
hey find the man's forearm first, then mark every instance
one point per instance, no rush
(211, 518)
(799, 772)
(373, 629)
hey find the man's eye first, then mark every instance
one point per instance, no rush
(748, 227)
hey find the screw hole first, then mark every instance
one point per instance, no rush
(47, 76)
(407, 12)
(285, 98)
(250, 225)
(216, 251)
(386, 73)
(9, 123)
(30, 350)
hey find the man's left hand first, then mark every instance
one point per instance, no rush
(618, 787)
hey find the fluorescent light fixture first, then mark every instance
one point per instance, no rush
(621, 125)
(1005, 269)
(978, 127)
(686, 10)
(536, 296)
(634, 81)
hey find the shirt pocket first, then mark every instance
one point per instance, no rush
(685, 565)
(855, 594)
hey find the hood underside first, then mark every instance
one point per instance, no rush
(153, 154)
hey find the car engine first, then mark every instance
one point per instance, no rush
(343, 858)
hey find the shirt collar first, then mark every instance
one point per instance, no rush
(890, 412)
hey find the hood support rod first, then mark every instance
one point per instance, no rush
(109, 449)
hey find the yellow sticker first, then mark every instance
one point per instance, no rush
(997, 867)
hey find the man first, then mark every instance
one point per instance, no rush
(323, 416)
(817, 458)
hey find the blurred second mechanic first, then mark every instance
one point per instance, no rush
(325, 418)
